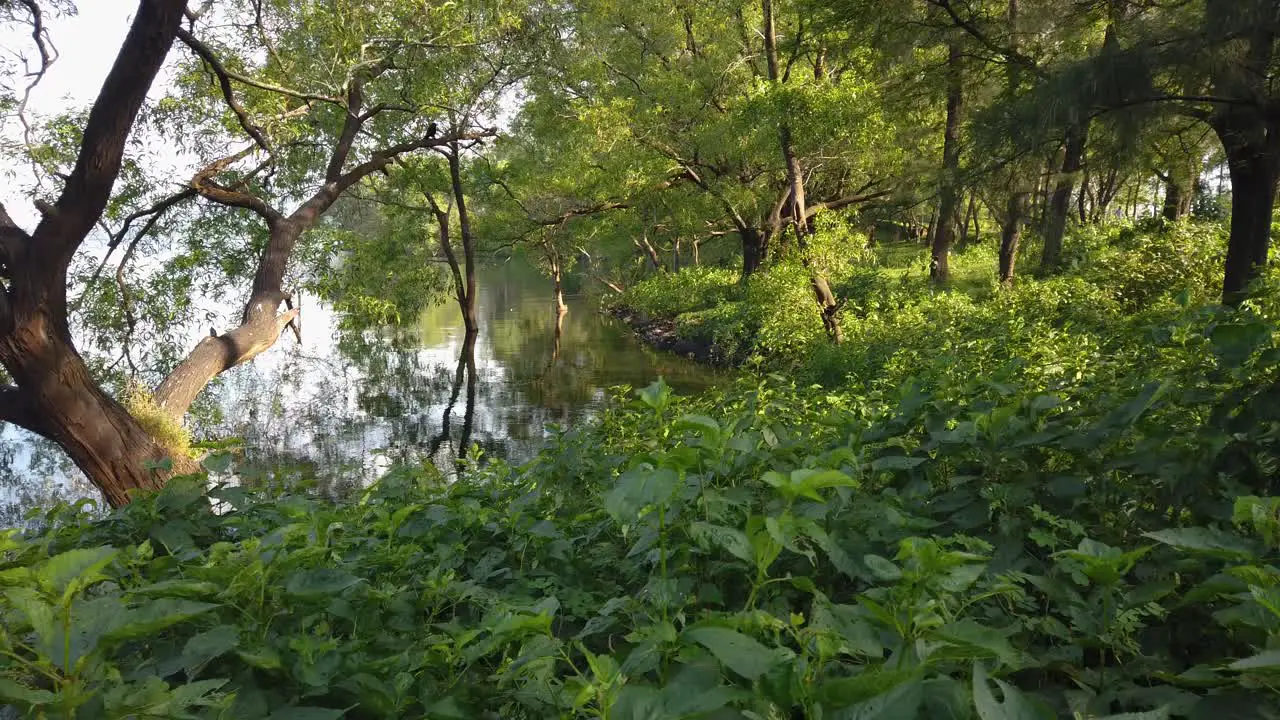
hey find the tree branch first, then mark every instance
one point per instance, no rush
(224, 83)
(207, 53)
(203, 183)
(87, 189)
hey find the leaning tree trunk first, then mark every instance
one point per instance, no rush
(1252, 147)
(948, 205)
(61, 402)
(467, 292)
(1060, 203)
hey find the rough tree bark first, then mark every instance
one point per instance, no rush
(54, 394)
(1011, 235)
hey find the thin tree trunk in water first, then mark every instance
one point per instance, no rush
(1011, 236)
(945, 231)
(828, 306)
(1252, 147)
(468, 298)
(1059, 204)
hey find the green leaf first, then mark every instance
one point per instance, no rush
(708, 428)
(75, 569)
(882, 568)
(901, 703)
(741, 654)
(1205, 540)
(1159, 714)
(15, 692)
(896, 462)
(1015, 706)
(988, 642)
(155, 616)
(210, 644)
(731, 539)
(637, 489)
(638, 702)
(319, 582)
(1269, 659)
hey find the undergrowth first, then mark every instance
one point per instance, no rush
(1042, 504)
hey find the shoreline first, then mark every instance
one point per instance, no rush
(661, 334)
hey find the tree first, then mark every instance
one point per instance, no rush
(314, 129)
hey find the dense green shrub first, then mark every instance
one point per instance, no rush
(766, 550)
(691, 289)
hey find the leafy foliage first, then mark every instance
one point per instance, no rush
(1023, 543)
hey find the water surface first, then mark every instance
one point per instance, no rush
(344, 406)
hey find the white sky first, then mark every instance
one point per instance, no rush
(87, 44)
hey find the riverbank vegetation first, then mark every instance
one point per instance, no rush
(958, 533)
(1000, 439)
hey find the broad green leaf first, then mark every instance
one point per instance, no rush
(304, 712)
(896, 462)
(981, 641)
(12, 691)
(731, 539)
(708, 428)
(210, 644)
(882, 568)
(1160, 714)
(1015, 705)
(1268, 660)
(1206, 540)
(75, 569)
(156, 615)
(741, 654)
(901, 703)
(637, 489)
(319, 582)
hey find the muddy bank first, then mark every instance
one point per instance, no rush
(660, 334)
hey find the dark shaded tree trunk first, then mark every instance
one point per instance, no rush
(54, 394)
(1060, 203)
(1011, 236)
(948, 203)
(467, 298)
(1252, 147)
(753, 250)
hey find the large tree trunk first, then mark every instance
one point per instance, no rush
(1252, 147)
(948, 204)
(54, 394)
(1179, 190)
(61, 402)
(1060, 203)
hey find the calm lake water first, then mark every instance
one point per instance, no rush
(344, 407)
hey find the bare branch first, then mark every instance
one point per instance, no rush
(206, 52)
(203, 183)
(48, 55)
